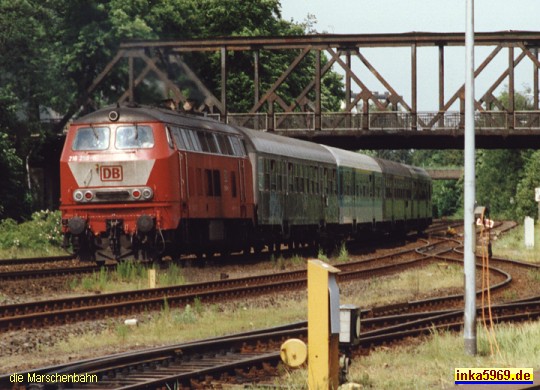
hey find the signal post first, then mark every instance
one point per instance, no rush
(323, 326)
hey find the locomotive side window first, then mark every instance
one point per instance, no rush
(224, 144)
(177, 135)
(134, 137)
(169, 138)
(237, 146)
(212, 144)
(208, 142)
(91, 138)
(194, 140)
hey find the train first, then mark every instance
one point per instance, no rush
(144, 183)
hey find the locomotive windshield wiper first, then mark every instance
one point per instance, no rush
(95, 132)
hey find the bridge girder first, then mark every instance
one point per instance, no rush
(388, 121)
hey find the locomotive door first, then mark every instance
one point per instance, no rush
(183, 183)
(242, 187)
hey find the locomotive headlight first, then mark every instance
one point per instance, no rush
(78, 196)
(88, 196)
(147, 193)
(136, 194)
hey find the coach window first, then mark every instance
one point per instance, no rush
(91, 138)
(134, 137)
(290, 176)
(266, 174)
(272, 175)
(279, 176)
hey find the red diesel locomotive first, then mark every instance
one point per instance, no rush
(152, 182)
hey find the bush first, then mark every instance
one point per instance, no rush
(41, 232)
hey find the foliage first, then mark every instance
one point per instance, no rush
(497, 180)
(53, 50)
(525, 204)
(41, 232)
(14, 199)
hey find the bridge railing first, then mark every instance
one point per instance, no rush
(527, 120)
(387, 120)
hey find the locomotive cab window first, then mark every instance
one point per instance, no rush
(134, 137)
(91, 138)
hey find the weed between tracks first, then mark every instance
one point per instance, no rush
(128, 276)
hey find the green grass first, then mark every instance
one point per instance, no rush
(511, 245)
(429, 363)
(128, 276)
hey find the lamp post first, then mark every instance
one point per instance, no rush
(469, 329)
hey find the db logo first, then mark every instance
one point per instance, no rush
(111, 173)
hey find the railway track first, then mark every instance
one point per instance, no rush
(91, 307)
(253, 356)
(34, 260)
(256, 359)
(34, 268)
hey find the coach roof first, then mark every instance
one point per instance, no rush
(264, 142)
(346, 158)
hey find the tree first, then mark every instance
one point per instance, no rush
(497, 179)
(14, 199)
(524, 203)
(53, 50)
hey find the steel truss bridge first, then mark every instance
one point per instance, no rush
(387, 121)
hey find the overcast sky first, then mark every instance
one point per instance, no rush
(395, 16)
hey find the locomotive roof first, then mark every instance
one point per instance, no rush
(350, 159)
(290, 147)
(153, 114)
